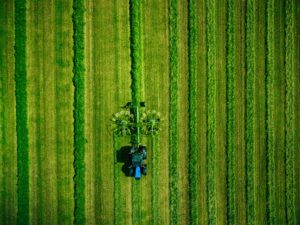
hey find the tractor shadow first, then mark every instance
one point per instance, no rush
(123, 157)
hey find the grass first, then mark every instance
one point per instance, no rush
(21, 113)
(230, 113)
(193, 154)
(289, 113)
(270, 110)
(250, 73)
(79, 136)
(173, 148)
(117, 184)
(211, 110)
(155, 180)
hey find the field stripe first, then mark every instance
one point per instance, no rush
(211, 110)
(79, 134)
(250, 70)
(118, 218)
(260, 132)
(21, 112)
(173, 116)
(201, 109)
(270, 112)
(193, 154)
(279, 123)
(220, 132)
(290, 112)
(64, 110)
(183, 114)
(135, 54)
(155, 180)
(34, 68)
(8, 153)
(239, 111)
(231, 23)
(117, 184)
(89, 117)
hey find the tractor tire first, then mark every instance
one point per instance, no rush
(130, 172)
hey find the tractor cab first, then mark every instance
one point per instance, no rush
(136, 166)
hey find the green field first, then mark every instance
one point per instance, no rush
(225, 76)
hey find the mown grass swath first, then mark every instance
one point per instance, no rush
(173, 147)
(135, 50)
(270, 109)
(231, 211)
(135, 54)
(193, 154)
(79, 138)
(21, 112)
(211, 109)
(250, 69)
(289, 113)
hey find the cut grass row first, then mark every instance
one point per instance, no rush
(289, 113)
(271, 218)
(193, 154)
(135, 50)
(21, 113)
(136, 57)
(250, 72)
(231, 23)
(211, 109)
(173, 147)
(79, 138)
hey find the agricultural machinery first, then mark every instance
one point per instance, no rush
(136, 122)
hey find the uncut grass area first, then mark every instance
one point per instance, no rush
(224, 76)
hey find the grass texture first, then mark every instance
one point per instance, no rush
(79, 138)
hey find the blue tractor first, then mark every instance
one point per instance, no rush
(136, 166)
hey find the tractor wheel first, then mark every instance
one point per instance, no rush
(130, 172)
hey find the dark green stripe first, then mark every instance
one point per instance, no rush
(270, 111)
(79, 138)
(193, 153)
(289, 113)
(250, 68)
(231, 23)
(211, 109)
(21, 112)
(173, 146)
